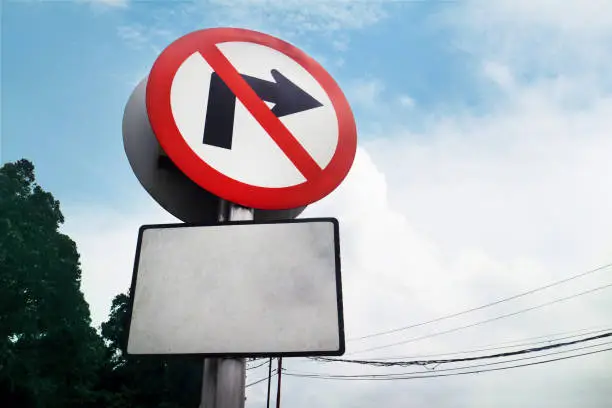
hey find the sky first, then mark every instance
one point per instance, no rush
(482, 172)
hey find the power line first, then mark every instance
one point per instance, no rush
(504, 345)
(261, 380)
(499, 346)
(483, 306)
(459, 368)
(257, 366)
(577, 332)
(379, 363)
(323, 377)
(484, 321)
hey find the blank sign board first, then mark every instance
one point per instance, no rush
(238, 289)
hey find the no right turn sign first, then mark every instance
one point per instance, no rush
(251, 118)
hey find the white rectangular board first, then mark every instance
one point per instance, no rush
(238, 289)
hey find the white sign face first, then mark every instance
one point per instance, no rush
(238, 289)
(250, 154)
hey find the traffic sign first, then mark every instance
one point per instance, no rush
(251, 118)
(220, 290)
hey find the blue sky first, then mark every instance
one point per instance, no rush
(482, 170)
(69, 67)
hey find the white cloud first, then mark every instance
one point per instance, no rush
(132, 35)
(106, 241)
(341, 43)
(499, 74)
(406, 101)
(301, 16)
(152, 38)
(288, 19)
(537, 38)
(572, 17)
(110, 3)
(397, 271)
(366, 93)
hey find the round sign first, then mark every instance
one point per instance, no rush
(174, 191)
(250, 118)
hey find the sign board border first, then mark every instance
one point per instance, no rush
(320, 182)
(342, 338)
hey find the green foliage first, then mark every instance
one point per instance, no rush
(50, 356)
(49, 353)
(147, 381)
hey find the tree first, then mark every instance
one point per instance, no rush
(50, 356)
(49, 353)
(145, 381)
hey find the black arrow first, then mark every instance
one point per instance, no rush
(288, 98)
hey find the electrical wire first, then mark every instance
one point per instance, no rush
(257, 366)
(483, 321)
(451, 374)
(538, 289)
(577, 332)
(500, 346)
(261, 380)
(464, 367)
(379, 363)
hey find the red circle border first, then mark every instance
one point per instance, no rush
(164, 127)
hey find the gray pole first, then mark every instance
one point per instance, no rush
(269, 381)
(223, 382)
(278, 387)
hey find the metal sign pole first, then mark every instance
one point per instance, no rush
(223, 382)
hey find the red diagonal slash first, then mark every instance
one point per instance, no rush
(292, 148)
